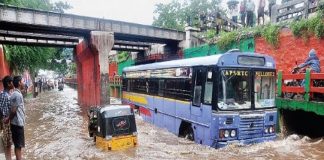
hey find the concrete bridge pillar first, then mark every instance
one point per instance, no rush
(92, 69)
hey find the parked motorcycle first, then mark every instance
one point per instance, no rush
(300, 82)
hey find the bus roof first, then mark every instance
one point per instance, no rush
(228, 59)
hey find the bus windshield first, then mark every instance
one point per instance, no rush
(234, 90)
(264, 89)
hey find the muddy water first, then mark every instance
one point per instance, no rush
(57, 129)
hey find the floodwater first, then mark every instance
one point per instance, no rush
(57, 129)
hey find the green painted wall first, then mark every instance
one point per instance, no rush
(122, 65)
(246, 45)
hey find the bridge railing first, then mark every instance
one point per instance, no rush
(115, 80)
(293, 9)
(306, 84)
(70, 81)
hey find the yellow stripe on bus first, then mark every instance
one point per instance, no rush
(135, 98)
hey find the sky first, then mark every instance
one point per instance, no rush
(136, 11)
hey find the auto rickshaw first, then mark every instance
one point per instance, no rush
(60, 86)
(113, 127)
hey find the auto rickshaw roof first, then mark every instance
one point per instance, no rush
(116, 110)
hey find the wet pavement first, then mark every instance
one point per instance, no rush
(57, 129)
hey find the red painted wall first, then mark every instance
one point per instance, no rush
(290, 50)
(113, 69)
(88, 76)
(4, 67)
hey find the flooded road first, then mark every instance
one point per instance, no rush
(57, 129)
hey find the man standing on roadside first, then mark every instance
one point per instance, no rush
(17, 117)
(5, 111)
(250, 7)
(243, 12)
(271, 3)
(261, 11)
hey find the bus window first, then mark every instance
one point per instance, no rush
(199, 78)
(161, 87)
(234, 90)
(125, 85)
(264, 88)
(208, 87)
(152, 86)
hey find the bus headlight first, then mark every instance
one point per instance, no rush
(271, 129)
(233, 133)
(266, 130)
(226, 133)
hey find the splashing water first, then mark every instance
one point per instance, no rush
(57, 129)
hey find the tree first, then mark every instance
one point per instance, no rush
(177, 14)
(45, 5)
(23, 58)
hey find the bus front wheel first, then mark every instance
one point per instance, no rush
(189, 134)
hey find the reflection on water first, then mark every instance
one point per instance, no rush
(57, 129)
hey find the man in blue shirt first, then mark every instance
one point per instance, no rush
(5, 111)
(312, 61)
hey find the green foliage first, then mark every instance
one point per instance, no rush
(122, 56)
(176, 14)
(73, 68)
(169, 16)
(321, 9)
(308, 27)
(271, 34)
(210, 34)
(39, 4)
(21, 58)
(319, 30)
(299, 27)
(226, 39)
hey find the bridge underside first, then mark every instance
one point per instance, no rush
(301, 117)
(301, 123)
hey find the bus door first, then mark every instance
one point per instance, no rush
(198, 79)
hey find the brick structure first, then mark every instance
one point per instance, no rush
(290, 50)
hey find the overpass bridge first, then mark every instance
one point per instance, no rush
(25, 25)
(92, 39)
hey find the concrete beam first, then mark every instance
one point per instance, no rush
(131, 43)
(37, 36)
(35, 42)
